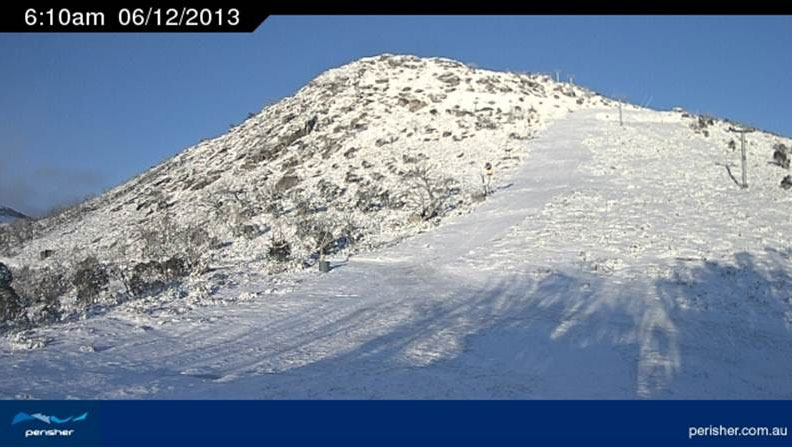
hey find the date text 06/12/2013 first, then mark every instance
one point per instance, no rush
(138, 17)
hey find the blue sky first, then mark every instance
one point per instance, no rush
(80, 113)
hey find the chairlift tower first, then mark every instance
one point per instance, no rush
(742, 133)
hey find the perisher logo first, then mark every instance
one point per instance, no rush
(49, 420)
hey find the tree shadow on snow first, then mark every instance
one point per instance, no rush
(734, 326)
(711, 330)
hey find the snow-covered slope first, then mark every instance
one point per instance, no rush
(350, 155)
(611, 262)
(347, 140)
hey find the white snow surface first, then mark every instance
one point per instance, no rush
(614, 262)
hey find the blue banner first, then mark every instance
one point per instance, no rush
(394, 423)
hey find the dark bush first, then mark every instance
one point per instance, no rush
(147, 278)
(280, 250)
(372, 200)
(781, 155)
(175, 268)
(329, 191)
(786, 183)
(6, 277)
(90, 280)
(41, 291)
(153, 277)
(11, 309)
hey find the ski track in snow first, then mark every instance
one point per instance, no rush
(569, 282)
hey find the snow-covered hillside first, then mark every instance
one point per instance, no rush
(368, 153)
(348, 140)
(611, 262)
(9, 215)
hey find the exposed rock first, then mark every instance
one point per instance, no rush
(450, 78)
(349, 153)
(412, 105)
(287, 182)
(351, 177)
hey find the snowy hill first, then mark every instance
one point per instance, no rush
(348, 141)
(9, 214)
(369, 153)
(611, 262)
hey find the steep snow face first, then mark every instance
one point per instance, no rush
(346, 143)
(611, 264)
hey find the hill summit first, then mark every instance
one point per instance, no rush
(372, 152)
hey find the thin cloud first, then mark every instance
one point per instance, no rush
(33, 190)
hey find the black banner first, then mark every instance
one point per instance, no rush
(245, 17)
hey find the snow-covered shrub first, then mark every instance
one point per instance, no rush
(786, 182)
(316, 232)
(194, 243)
(15, 233)
(279, 250)
(28, 341)
(41, 291)
(11, 308)
(478, 196)
(324, 232)
(781, 155)
(239, 208)
(6, 277)
(428, 193)
(146, 278)
(90, 279)
(152, 277)
(370, 199)
(175, 268)
(164, 239)
(701, 123)
(158, 237)
(329, 190)
(249, 231)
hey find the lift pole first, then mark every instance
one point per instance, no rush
(742, 133)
